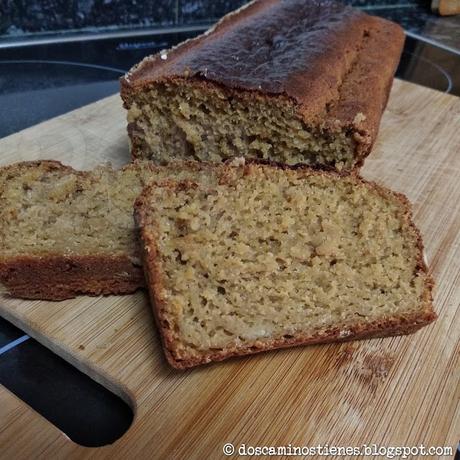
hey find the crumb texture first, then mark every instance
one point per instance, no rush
(205, 123)
(64, 211)
(47, 208)
(66, 232)
(276, 255)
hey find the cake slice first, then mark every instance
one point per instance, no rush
(66, 232)
(278, 258)
(287, 81)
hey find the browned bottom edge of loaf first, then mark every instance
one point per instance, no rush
(65, 277)
(378, 329)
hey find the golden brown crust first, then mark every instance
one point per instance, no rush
(52, 277)
(154, 282)
(333, 63)
(364, 94)
(397, 325)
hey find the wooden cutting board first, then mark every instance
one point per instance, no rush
(392, 392)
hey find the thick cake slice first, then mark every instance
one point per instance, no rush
(65, 232)
(288, 81)
(280, 258)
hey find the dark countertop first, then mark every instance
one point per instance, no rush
(36, 19)
(419, 22)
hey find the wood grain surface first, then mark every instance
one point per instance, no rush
(391, 392)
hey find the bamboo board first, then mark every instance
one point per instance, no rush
(391, 392)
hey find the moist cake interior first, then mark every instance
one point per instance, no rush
(194, 120)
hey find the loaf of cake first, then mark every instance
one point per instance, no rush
(286, 81)
(278, 258)
(66, 232)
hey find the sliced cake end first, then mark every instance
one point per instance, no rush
(286, 81)
(279, 257)
(66, 232)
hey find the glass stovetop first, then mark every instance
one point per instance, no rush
(40, 82)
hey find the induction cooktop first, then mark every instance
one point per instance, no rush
(38, 82)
